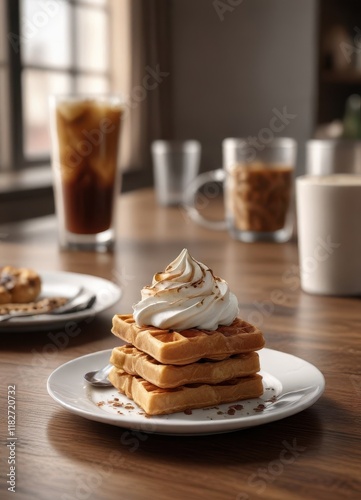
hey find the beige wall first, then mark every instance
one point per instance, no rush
(230, 74)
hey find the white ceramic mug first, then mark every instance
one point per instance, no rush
(329, 233)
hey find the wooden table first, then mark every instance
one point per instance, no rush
(62, 456)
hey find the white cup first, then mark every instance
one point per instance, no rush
(329, 233)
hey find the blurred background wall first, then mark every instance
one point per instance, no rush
(231, 69)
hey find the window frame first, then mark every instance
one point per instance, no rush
(15, 94)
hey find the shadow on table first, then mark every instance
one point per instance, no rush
(301, 432)
(71, 335)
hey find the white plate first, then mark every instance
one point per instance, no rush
(291, 385)
(66, 285)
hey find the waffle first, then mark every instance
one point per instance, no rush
(156, 401)
(189, 346)
(135, 362)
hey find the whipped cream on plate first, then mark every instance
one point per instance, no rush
(186, 295)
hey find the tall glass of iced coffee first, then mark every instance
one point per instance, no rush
(85, 141)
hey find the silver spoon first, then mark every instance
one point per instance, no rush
(99, 378)
(79, 303)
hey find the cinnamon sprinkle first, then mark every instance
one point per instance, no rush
(259, 408)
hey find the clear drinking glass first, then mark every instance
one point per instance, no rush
(258, 189)
(85, 133)
(175, 166)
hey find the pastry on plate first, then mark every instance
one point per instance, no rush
(18, 285)
(186, 345)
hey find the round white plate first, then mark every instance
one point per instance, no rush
(291, 385)
(66, 285)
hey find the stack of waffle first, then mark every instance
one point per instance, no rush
(166, 371)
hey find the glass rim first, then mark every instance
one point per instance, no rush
(340, 143)
(276, 142)
(327, 180)
(83, 97)
(174, 146)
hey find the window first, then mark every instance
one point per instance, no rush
(54, 46)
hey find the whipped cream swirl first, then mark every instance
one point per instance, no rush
(186, 295)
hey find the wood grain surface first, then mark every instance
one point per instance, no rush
(62, 456)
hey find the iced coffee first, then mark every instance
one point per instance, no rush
(258, 196)
(85, 150)
(258, 190)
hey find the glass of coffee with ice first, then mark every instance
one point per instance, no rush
(85, 141)
(257, 180)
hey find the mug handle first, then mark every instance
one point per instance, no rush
(189, 204)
